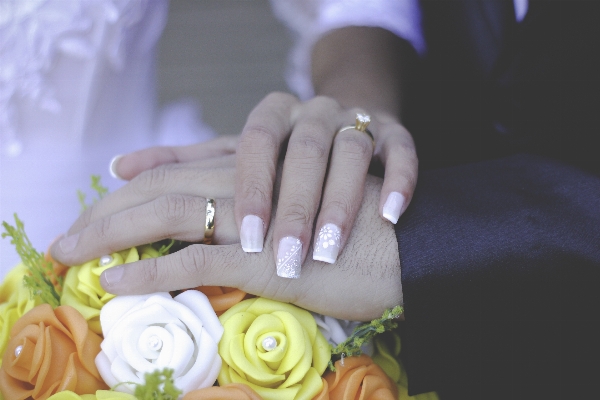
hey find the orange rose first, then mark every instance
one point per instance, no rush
(50, 351)
(358, 378)
(223, 298)
(232, 391)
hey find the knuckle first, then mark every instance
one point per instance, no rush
(354, 146)
(256, 189)
(175, 208)
(325, 102)
(102, 228)
(279, 96)
(193, 264)
(151, 182)
(308, 149)
(150, 272)
(85, 219)
(341, 206)
(257, 139)
(296, 213)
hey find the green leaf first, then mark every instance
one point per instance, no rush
(159, 386)
(40, 272)
(100, 190)
(364, 333)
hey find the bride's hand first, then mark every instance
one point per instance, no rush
(161, 203)
(323, 175)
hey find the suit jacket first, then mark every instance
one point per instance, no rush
(500, 247)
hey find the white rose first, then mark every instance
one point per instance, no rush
(151, 332)
(337, 330)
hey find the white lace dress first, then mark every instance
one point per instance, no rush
(77, 86)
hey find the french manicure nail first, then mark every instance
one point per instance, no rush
(393, 207)
(113, 275)
(112, 167)
(251, 234)
(69, 243)
(327, 245)
(289, 257)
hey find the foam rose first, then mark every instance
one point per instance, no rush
(151, 332)
(82, 289)
(358, 378)
(273, 347)
(50, 351)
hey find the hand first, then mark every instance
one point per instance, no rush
(161, 203)
(323, 173)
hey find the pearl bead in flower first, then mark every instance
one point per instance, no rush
(154, 343)
(269, 343)
(105, 260)
(18, 350)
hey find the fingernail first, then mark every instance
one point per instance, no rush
(113, 275)
(393, 207)
(112, 168)
(69, 243)
(289, 257)
(327, 245)
(251, 234)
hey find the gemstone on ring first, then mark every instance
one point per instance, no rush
(362, 121)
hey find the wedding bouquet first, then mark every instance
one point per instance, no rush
(62, 337)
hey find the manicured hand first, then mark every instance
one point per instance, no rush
(323, 175)
(161, 203)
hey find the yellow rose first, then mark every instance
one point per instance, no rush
(273, 347)
(100, 395)
(82, 289)
(16, 301)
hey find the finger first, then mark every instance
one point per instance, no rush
(343, 193)
(184, 179)
(302, 180)
(396, 150)
(172, 216)
(130, 165)
(369, 276)
(258, 150)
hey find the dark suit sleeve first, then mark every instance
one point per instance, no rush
(500, 272)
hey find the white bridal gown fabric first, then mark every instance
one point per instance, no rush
(77, 86)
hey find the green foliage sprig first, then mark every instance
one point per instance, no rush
(100, 190)
(41, 272)
(364, 333)
(165, 248)
(159, 386)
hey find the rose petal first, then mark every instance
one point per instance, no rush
(263, 324)
(203, 369)
(126, 375)
(183, 353)
(302, 366)
(134, 358)
(104, 367)
(113, 311)
(198, 303)
(257, 374)
(297, 342)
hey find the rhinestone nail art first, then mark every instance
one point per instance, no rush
(327, 245)
(289, 257)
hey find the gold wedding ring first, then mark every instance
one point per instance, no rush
(362, 121)
(209, 225)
